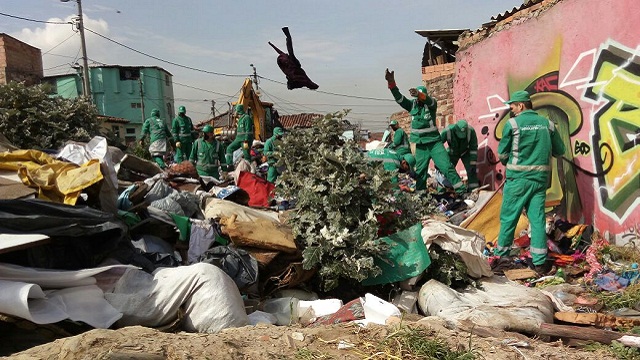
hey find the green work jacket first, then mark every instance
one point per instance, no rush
(245, 128)
(269, 148)
(528, 142)
(400, 142)
(182, 128)
(155, 127)
(207, 157)
(423, 117)
(460, 146)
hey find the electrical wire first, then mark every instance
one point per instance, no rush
(62, 42)
(38, 21)
(163, 60)
(330, 93)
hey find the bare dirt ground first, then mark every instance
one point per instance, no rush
(280, 342)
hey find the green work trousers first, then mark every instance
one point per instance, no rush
(272, 174)
(183, 152)
(160, 161)
(530, 195)
(436, 151)
(472, 174)
(235, 145)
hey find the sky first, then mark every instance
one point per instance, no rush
(344, 46)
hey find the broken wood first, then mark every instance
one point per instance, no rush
(597, 320)
(582, 333)
(519, 274)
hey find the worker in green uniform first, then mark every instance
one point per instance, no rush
(463, 145)
(269, 148)
(182, 129)
(207, 154)
(528, 142)
(160, 137)
(425, 135)
(244, 135)
(393, 161)
(400, 139)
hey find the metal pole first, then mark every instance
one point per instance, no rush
(141, 98)
(85, 63)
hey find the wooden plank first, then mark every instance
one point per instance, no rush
(519, 274)
(597, 320)
(579, 333)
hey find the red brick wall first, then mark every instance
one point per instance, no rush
(19, 61)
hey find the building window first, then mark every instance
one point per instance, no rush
(129, 73)
(131, 131)
(116, 130)
(136, 105)
(167, 80)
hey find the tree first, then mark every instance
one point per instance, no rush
(340, 199)
(32, 119)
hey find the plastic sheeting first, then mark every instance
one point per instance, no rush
(466, 243)
(76, 296)
(97, 149)
(57, 181)
(80, 236)
(407, 257)
(210, 299)
(501, 304)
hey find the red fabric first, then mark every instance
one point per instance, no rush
(260, 190)
(391, 85)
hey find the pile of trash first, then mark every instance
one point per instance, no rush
(101, 238)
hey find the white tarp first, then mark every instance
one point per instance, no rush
(76, 296)
(209, 297)
(501, 304)
(466, 243)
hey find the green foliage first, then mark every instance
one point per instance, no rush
(449, 269)
(140, 150)
(339, 197)
(31, 119)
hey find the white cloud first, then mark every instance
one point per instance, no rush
(63, 43)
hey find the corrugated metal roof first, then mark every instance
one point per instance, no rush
(508, 13)
(304, 120)
(217, 121)
(451, 34)
(113, 119)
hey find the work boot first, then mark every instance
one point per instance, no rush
(545, 269)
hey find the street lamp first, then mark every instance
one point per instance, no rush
(86, 86)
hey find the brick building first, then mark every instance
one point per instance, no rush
(19, 61)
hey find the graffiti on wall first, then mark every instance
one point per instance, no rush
(608, 81)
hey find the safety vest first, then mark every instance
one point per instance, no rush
(533, 140)
(207, 156)
(181, 128)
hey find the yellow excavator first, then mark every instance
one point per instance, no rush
(260, 111)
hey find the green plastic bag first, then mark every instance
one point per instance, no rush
(407, 257)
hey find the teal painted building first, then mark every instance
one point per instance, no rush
(123, 92)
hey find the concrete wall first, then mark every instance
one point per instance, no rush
(581, 61)
(19, 61)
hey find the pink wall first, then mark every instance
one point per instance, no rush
(581, 61)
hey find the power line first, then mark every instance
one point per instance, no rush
(38, 21)
(331, 93)
(60, 43)
(163, 60)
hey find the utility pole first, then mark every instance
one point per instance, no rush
(86, 85)
(213, 108)
(141, 98)
(255, 77)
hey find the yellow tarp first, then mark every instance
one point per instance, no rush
(56, 180)
(486, 221)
